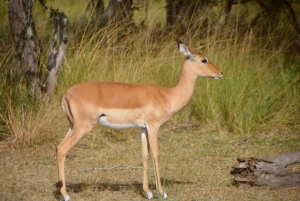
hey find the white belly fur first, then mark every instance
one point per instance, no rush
(103, 121)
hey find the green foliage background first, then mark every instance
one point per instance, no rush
(258, 95)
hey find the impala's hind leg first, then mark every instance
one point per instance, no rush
(72, 137)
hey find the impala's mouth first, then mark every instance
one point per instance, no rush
(217, 77)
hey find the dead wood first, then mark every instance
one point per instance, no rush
(271, 171)
(55, 58)
(173, 127)
(110, 168)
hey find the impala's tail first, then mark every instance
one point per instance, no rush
(65, 105)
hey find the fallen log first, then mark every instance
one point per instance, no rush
(271, 171)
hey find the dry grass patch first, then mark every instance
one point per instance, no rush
(195, 165)
(27, 126)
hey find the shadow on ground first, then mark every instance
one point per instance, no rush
(138, 187)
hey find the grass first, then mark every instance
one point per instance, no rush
(252, 111)
(195, 165)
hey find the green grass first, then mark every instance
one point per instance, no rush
(257, 91)
(257, 99)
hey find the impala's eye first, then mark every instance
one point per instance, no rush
(204, 60)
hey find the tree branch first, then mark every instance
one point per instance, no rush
(172, 127)
(53, 12)
(113, 167)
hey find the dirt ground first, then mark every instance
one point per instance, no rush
(194, 165)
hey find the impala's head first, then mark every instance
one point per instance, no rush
(200, 64)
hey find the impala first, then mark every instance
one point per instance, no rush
(122, 106)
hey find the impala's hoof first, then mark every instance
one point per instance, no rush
(149, 195)
(165, 195)
(65, 198)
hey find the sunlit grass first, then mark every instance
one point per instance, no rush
(257, 92)
(253, 111)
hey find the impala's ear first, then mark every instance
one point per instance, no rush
(184, 49)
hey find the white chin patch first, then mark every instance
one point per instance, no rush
(103, 121)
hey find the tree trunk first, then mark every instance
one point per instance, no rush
(56, 58)
(291, 15)
(187, 14)
(23, 34)
(172, 9)
(227, 10)
(270, 171)
(117, 11)
(98, 5)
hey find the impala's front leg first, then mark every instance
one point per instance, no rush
(153, 142)
(145, 154)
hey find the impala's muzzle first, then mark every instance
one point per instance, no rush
(218, 76)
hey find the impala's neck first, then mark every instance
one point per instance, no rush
(183, 91)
